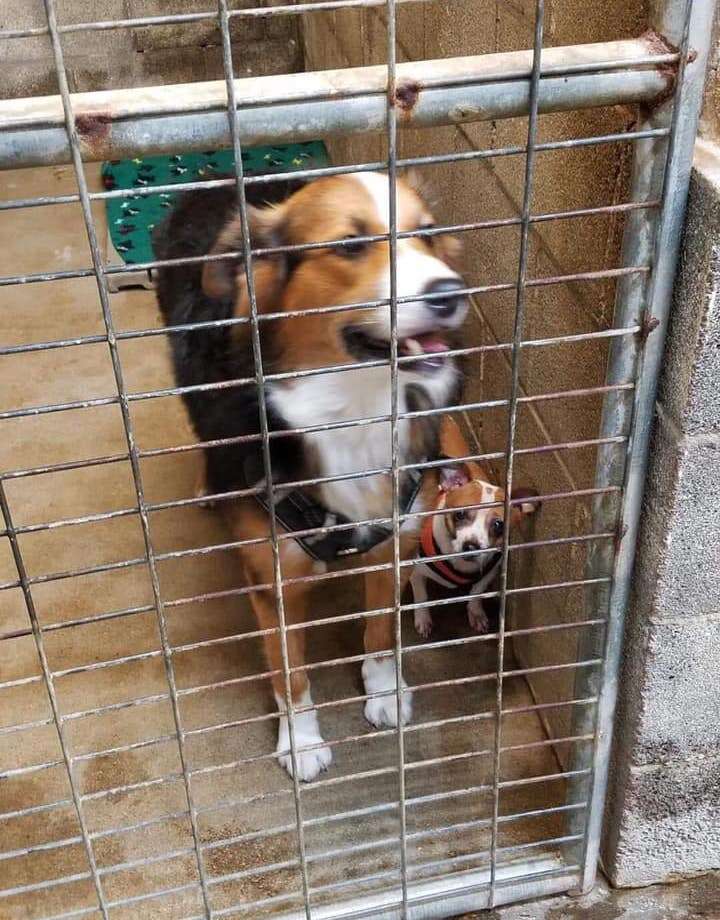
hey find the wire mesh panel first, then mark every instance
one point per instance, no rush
(154, 762)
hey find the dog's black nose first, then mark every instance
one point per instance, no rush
(449, 303)
(470, 546)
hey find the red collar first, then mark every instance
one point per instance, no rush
(441, 566)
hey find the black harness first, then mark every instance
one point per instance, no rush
(297, 512)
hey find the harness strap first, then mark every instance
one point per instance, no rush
(297, 512)
(441, 566)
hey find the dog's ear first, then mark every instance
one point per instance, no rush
(529, 506)
(453, 476)
(226, 278)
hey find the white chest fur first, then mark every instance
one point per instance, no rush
(345, 396)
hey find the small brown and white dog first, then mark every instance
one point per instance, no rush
(287, 285)
(464, 530)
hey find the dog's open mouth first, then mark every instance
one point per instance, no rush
(429, 348)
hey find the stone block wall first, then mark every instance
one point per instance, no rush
(663, 817)
(142, 56)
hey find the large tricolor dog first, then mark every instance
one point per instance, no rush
(287, 284)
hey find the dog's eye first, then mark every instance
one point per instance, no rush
(460, 516)
(351, 249)
(497, 527)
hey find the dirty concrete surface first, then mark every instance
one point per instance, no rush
(686, 899)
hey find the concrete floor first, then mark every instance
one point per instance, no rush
(687, 899)
(54, 238)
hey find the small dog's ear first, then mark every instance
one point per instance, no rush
(226, 278)
(453, 476)
(529, 506)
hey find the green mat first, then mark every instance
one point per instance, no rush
(131, 220)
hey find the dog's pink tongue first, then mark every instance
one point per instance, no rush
(431, 343)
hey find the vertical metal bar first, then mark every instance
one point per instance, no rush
(512, 421)
(394, 433)
(658, 240)
(50, 684)
(127, 422)
(264, 431)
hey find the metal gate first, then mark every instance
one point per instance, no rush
(663, 72)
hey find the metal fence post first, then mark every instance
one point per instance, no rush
(653, 239)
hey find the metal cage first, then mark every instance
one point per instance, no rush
(662, 72)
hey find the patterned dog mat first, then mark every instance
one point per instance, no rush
(131, 220)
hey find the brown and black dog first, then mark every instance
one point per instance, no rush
(430, 309)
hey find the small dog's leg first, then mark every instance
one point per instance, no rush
(423, 617)
(477, 618)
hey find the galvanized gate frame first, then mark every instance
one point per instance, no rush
(663, 70)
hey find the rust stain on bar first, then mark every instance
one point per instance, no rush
(658, 43)
(93, 129)
(406, 95)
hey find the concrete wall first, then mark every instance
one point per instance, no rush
(492, 188)
(147, 56)
(664, 809)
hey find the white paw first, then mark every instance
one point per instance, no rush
(423, 623)
(307, 735)
(477, 617)
(309, 763)
(379, 676)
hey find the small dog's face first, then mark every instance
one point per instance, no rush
(481, 529)
(347, 208)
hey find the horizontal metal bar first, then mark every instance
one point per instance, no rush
(71, 914)
(125, 123)
(312, 857)
(338, 703)
(307, 579)
(63, 467)
(388, 841)
(305, 483)
(263, 904)
(162, 893)
(233, 321)
(321, 782)
(26, 726)
(41, 848)
(418, 727)
(134, 22)
(35, 809)
(31, 887)
(313, 372)
(317, 172)
(30, 768)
